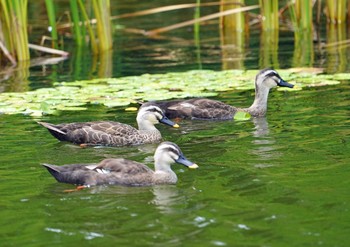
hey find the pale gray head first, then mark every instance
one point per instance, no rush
(270, 78)
(168, 153)
(154, 115)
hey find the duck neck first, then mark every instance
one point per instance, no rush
(146, 126)
(163, 173)
(259, 106)
(149, 132)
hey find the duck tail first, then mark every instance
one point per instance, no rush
(57, 133)
(54, 170)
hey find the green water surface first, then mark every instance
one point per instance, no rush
(282, 180)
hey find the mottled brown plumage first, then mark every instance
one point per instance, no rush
(207, 109)
(113, 133)
(124, 172)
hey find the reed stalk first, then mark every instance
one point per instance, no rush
(269, 13)
(50, 9)
(236, 22)
(197, 42)
(301, 14)
(306, 14)
(336, 48)
(233, 33)
(269, 49)
(93, 42)
(336, 11)
(13, 16)
(5, 20)
(104, 30)
(79, 39)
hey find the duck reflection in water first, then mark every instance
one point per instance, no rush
(167, 197)
(263, 142)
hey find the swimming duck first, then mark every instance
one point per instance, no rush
(124, 172)
(207, 109)
(113, 133)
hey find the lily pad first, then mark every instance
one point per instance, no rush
(241, 116)
(113, 92)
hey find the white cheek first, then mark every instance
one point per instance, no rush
(271, 83)
(152, 118)
(173, 156)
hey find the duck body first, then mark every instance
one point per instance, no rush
(208, 109)
(107, 133)
(111, 133)
(198, 108)
(122, 171)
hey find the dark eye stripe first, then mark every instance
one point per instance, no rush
(272, 74)
(172, 150)
(172, 147)
(155, 110)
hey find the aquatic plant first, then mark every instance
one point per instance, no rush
(112, 92)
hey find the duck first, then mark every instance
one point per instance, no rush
(110, 133)
(119, 171)
(208, 109)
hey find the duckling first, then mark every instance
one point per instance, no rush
(207, 109)
(113, 133)
(124, 172)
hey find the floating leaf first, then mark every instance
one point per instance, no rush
(240, 116)
(117, 103)
(113, 92)
(70, 108)
(341, 76)
(131, 109)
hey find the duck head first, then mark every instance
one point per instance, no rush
(151, 115)
(169, 153)
(270, 78)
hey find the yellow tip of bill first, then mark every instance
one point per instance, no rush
(176, 126)
(194, 166)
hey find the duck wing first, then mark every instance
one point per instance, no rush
(125, 172)
(199, 108)
(108, 171)
(93, 133)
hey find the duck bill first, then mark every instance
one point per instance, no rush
(167, 121)
(283, 83)
(182, 160)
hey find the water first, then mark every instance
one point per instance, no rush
(277, 181)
